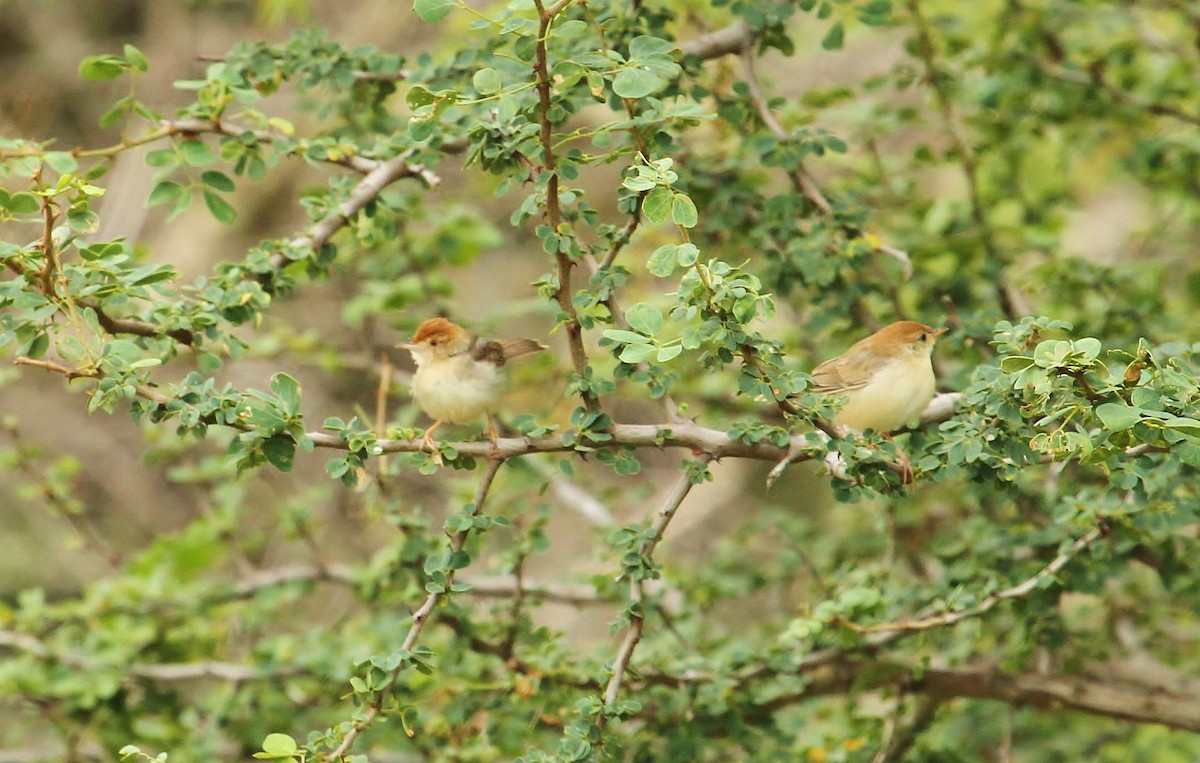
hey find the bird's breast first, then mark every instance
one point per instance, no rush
(895, 395)
(457, 389)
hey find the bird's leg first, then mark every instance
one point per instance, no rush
(490, 430)
(427, 442)
(906, 471)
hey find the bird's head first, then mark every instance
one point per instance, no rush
(437, 338)
(905, 337)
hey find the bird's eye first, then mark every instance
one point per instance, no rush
(924, 336)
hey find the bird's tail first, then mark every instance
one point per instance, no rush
(515, 348)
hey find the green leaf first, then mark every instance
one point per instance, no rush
(644, 317)
(1118, 416)
(624, 337)
(39, 345)
(115, 112)
(287, 390)
(100, 68)
(636, 353)
(636, 82)
(1015, 364)
(657, 205)
(687, 255)
(1089, 346)
(419, 96)
(433, 11)
(165, 192)
(669, 352)
(487, 81)
(162, 157)
(23, 204)
(136, 58)
(60, 161)
(279, 746)
(280, 452)
(662, 260)
(221, 209)
(645, 46)
(834, 37)
(196, 152)
(218, 180)
(683, 211)
(1188, 426)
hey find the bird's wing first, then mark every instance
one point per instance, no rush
(514, 348)
(844, 373)
(488, 351)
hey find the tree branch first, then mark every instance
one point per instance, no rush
(553, 209)
(367, 190)
(734, 38)
(1018, 591)
(683, 434)
(1112, 699)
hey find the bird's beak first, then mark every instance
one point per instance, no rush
(406, 346)
(939, 332)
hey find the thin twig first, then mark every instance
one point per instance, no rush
(50, 267)
(637, 620)
(419, 620)
(1018, 591)
(365, 192)
(802, 180)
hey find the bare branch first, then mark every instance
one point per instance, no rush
(163, 673)
(734, 38)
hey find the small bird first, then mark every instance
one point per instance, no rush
(887, 378)
(458, 374)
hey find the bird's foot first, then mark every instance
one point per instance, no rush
(492, 433)
(903, 465)
(428, 444)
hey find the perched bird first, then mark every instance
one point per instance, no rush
(887, 378)
(458, 376)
